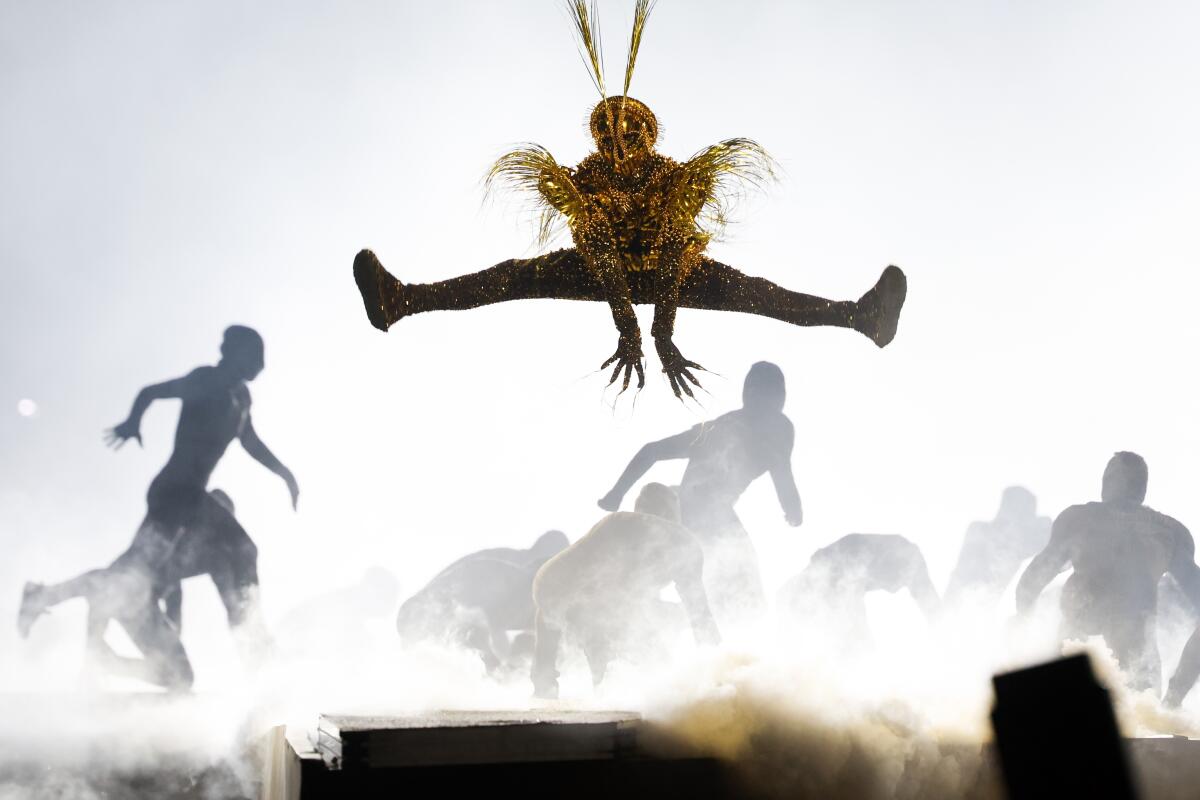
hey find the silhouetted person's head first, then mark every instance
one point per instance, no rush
(764, 388)
(242, 351)
(659, 501)
(1017, 503)
(549, 544)
(1125, 480)
(223, 500)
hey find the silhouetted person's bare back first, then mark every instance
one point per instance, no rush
(724, 457)
(478, 599)
(833, 587)
(1119, 550)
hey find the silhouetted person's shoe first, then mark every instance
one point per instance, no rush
(383, 296)
(878, 311)
(31, 608)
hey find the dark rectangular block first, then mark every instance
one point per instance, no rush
(447, 738)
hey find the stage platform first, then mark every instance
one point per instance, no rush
(581, 754)
(578, 754)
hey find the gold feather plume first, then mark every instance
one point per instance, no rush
(641, 12)
(586, 22)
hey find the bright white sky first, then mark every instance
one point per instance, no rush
(168, 169)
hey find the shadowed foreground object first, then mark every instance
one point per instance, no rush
(1056, 734)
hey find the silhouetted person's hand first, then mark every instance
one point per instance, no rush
(794, 518)
(610, 502)
(293, 489)
(116, 436)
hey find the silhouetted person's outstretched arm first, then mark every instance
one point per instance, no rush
(1183, 563)
(1183, 568)
(677, 446)
(785, 482)
(1047, 564)
(262, 454)
(131, 428)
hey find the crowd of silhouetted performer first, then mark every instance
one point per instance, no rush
(603, 594)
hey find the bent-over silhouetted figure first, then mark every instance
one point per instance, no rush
(724, 457)
(215, 411)
(1119, 549)
(479, 599)
(992, 552)
(830, 591)
(603, 591)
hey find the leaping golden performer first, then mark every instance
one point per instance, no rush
(640, 222)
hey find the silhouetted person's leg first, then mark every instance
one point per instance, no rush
(731, 574)
(544, 671)
(216, 544)
(479, 639)
(172, 600)
(38, 598)
(165, 662)
(598, 650)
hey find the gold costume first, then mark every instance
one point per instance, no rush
(639, 222)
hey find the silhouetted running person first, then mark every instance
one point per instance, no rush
(479, 599)
(724, 457)
(1120, 549)
(603, 591)
(992, 552)
(830, 591)
(215, 411)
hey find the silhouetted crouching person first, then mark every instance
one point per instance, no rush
(602, 591)
(1120, 549)
(479, 599)
(724, 457)
(992, 552)
(830, 591)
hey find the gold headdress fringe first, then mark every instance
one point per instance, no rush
(586, 22)
(641, 13)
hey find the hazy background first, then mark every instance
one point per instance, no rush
(170, 168)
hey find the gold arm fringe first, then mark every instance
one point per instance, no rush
(531, 170)
(715, 179)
